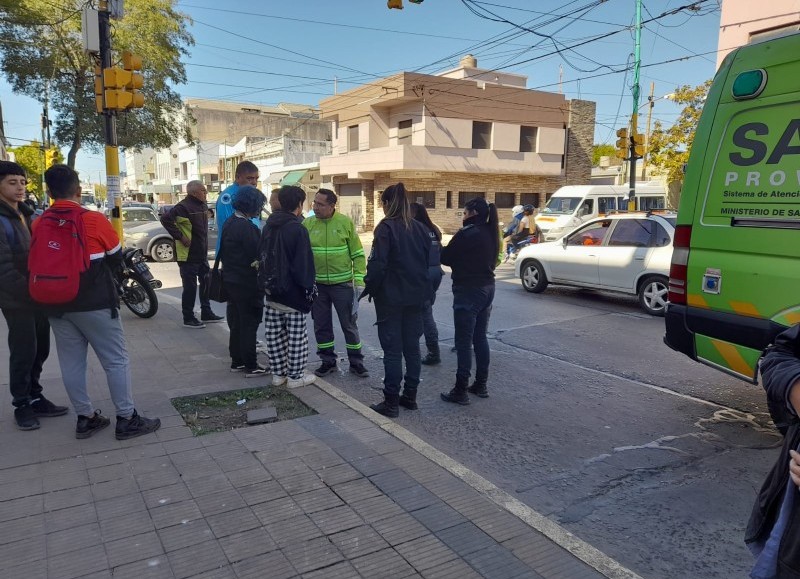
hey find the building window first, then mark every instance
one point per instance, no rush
(352, 138)
(529, 199)
(527, 139)
(425, 198)
(404, 131)
(464, 196)
(449, 202)
(481, 135)
(504, 200)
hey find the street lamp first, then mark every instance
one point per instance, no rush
(651, 102)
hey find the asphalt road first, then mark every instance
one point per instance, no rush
(592, 421)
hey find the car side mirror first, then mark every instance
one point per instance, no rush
(564, 241)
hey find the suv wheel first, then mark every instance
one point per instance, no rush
(533, 277)
(163, 250)
(653, 294)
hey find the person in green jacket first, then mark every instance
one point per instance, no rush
(340, 265)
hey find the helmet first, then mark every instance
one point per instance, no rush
(528, 207)
(516, 209)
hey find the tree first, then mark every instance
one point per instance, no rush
(42, 54)
(669, 148)
(602, 150)
(31, 158)
(100, 191)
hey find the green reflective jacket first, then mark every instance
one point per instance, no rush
(338, 253)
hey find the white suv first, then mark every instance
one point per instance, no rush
(628, 253)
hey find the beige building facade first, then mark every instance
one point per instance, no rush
(743, 21)
(450, 137)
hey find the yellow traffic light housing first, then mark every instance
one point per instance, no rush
(122, 84)
(50, 156)
(623, 143)
(395, 4)
(638, 145)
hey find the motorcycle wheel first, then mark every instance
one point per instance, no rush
(139, 296)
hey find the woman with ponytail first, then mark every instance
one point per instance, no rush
(472, 257)
(397, 279)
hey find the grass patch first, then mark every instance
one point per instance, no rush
(220, 411)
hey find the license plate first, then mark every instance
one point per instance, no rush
(143, 270)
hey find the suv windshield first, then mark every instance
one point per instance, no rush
(562, 205)
(87, 199)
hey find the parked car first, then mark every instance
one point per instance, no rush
(628, 253)
(152, 239)
(137, 215)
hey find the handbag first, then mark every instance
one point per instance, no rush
(216, 284)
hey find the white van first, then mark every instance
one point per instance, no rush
(573, 204)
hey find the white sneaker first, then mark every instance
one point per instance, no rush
(304, 380)
(278, 380)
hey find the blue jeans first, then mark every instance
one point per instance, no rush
(191, 273)
(471, 309)
(399, 330)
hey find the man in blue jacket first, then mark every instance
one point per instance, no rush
(246, 174)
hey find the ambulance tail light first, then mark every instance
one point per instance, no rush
(678, 268)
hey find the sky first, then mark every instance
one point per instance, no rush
(272, 51)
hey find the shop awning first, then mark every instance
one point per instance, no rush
(276, 177)
(293, 177)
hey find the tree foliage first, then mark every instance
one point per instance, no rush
(31, 158)
(602, 150)
(42, 53)
(669, 147)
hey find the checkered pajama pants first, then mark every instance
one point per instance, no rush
(287, 342)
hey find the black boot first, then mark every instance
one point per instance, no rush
(478, 387)
(458, 395)
(433, 357)
(389, 407)
(409, 399)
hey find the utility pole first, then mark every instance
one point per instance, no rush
(650, 102)
(637, 63)
(113, 198)
(44, 199)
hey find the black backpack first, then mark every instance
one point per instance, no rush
(273, 275)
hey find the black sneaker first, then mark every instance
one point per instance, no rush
(43, 407)
(88, 425)
(135, 426)
(325, 369)
(211, 318)
(359, 370)
(237, 367)
(25, 417)
(255, 372)
(193, 323)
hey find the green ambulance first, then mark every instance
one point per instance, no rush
(735, 274)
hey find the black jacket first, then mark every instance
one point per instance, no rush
(471, 254)
(14, 258)
(297, 257)
(238, 253)
(190, 218)
(397, 269)
(780, 369)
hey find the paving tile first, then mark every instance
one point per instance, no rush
(294, 530)
(281, 469)
(199, 469)
(190, 456)
(131, 524)
(69, 518)
(21, 488)
(73, 539)
(302, 483)
(305, 448)
(114, 488)
(387, 445)
(142, 451)
(393, 480)
(119, 507)
(249, 475)
(24, 551)
(358, 542)
(66, 498)
(150, 464)
(386, 563)
(455, 569)
(105, 458)
(498, 561)
(356, 490)
(57, 468)
(219, 502)
(218, 438)
(173, 447)
(271, 454)
(438, 516)
(238, 461)
(29, 570)
(501, 526)
(22, 507)
(109, 472)
(219, 573)
(131, 549)
(248, 544)
(196, 559)
(262, 492)
(337, 519)
(185, 534)
(548, 558)
(77, 563)
(24, 528)
(465, 538)
(373, 465)
(166, 495)
(376, 508)
(277, 510)
(349, 448)
(230, 522)
(160, 478)
(313, 554)
(318, 500)
(18, 473)
(202, 486)
(151, 568)
(173, 433)
(343, 570)
(175, 514)
(414, 498)
(254, 567)
(400, 529)
(426, 552)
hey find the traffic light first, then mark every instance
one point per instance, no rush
(395, 4)
(122, 84)
(98, 89)
(622, 143)
(50, 157)
(638, 145)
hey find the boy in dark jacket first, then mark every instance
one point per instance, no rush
(28, 329)
(187, 223)
(287, 273)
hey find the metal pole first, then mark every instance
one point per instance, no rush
(43, 149)
(651, 102)
(113, 197)
(637, 63)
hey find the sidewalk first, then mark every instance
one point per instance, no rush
(334, 496)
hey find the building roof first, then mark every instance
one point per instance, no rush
(288, 109)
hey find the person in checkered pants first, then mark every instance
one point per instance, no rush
(286, 272)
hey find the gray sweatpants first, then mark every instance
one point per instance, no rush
(74, 331)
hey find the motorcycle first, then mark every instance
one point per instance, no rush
(136, 284)
(512, 249)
